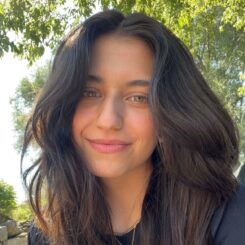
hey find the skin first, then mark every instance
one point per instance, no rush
(112, 107)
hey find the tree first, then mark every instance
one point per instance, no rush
(7, 199)
(37, 24)
(23, 100)
(27, 27)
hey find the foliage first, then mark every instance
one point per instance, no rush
(37, 24)
(7, 199)
(23, 212)
(26, 27)
(22, 102)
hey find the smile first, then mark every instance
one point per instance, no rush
(107, 146)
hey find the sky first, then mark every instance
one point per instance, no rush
(12, 70)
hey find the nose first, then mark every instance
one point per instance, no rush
(110, 115)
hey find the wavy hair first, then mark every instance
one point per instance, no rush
(196, 150)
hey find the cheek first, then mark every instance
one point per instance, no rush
(142, 124)
(81, 120)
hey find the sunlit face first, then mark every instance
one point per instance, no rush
(113, 125)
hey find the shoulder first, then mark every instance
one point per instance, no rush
(35, 236)
(228, 223)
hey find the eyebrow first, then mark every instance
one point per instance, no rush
(136, 82)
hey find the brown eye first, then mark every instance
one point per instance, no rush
(139, 99)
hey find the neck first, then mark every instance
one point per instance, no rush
(125, 195)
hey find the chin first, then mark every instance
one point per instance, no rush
(107, 173)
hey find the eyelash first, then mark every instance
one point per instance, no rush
(90, 92)
(94, 94)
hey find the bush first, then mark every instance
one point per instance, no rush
(23, 212)
(7, 199)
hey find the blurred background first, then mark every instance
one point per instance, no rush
(30, 31)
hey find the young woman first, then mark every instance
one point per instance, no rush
(135, 148)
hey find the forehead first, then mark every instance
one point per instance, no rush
(116, 55)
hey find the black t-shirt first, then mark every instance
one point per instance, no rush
(227, 225)
(126, 239)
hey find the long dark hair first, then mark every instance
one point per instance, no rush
(196, 150)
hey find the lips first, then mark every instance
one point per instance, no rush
(108, 146)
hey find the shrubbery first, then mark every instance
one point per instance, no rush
(9, 207)
(22, 212)
(7, 199)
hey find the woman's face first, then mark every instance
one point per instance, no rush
(113, 125)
